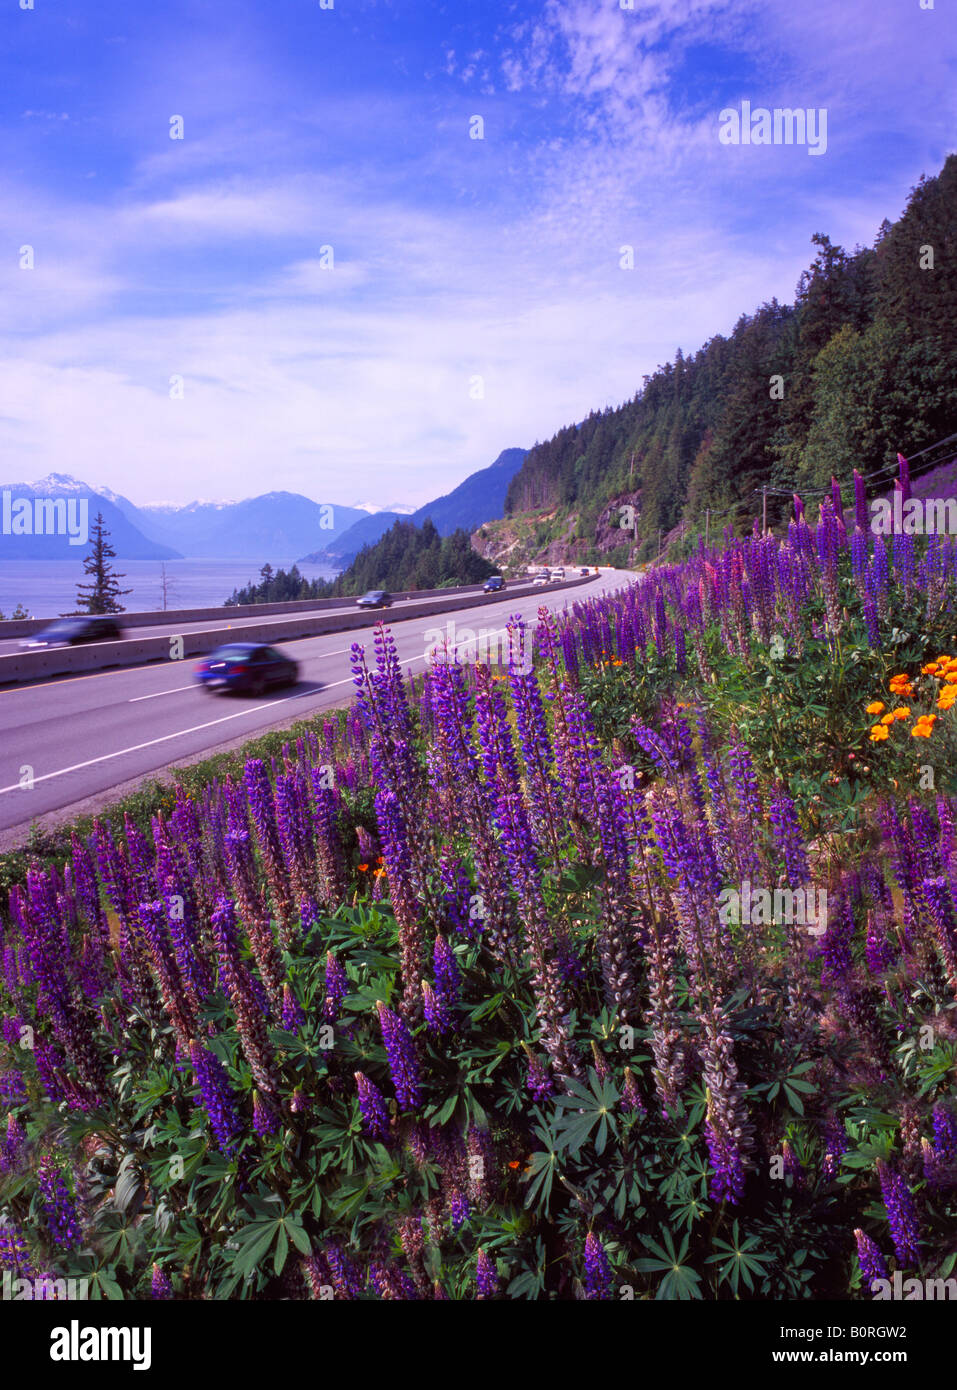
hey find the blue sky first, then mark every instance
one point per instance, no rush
(454, 259)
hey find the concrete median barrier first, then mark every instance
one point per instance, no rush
(60, 661)
(27, 627)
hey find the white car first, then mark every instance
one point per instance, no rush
(558, 574)
(540, 579)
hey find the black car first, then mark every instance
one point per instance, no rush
(73, 632)
(246, 666)
(493, 584)
(375, 598)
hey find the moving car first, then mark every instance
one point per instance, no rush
(246, 666)
(375, 598)
(584, 570)
(493, 584)
(558, 573)
(541, 577)
(72, 632)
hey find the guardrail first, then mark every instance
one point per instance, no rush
(58, 661)
(25, 627)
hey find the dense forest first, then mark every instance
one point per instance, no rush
(406, 557)
(864, 363)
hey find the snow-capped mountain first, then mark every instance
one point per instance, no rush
(129, 541)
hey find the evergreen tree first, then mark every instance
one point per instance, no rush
(102, 595)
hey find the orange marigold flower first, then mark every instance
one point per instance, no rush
(878, 733)
(876, 707)
(930, 669)
(902, 712)
(363, 868)
(888, 719)
(921, 731)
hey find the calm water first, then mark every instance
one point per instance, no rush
(48, 587)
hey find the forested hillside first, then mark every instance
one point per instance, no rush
(864, 363)
(414, 557)
(406, 557)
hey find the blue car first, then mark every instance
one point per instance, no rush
(246, 667)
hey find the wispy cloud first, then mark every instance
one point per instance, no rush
(452, 259)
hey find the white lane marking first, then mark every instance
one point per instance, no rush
(175, 691)
(180, 733)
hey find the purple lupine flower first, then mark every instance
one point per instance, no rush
(537, 1079)
(337, 987)
(793, 1167)
(597, 1269)
(901, 1215)
(161, 1286)
(877, 949)
(904, 479)
(945, 1134)
(435, 1009)
(835, 1147)
(265, 1120)
(11, 1149)
(59, 1206)
(12, 1087)
(292, 1015)
(400, 1050)
(873, 1265)
(375, 1116)
(216, 1097)
(459, 1209)
(345, 1277)
(631, 1101)
(788, 837)
(933, 1174)
(447, 982)
(486, 1278)
(14, 1255)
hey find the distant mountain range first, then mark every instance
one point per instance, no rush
(481, 497)
(276, 526)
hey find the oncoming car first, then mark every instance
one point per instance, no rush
(73, 632)
(375, 598)
(246, 667)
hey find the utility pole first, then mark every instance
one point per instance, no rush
(764, 518)
(707, 526)
(659, 545)
(631, 477)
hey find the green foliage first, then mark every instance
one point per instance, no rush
(865, 363)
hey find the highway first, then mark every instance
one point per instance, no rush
(11, 645)
(71, 744)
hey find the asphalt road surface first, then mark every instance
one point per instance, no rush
(71, 744)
